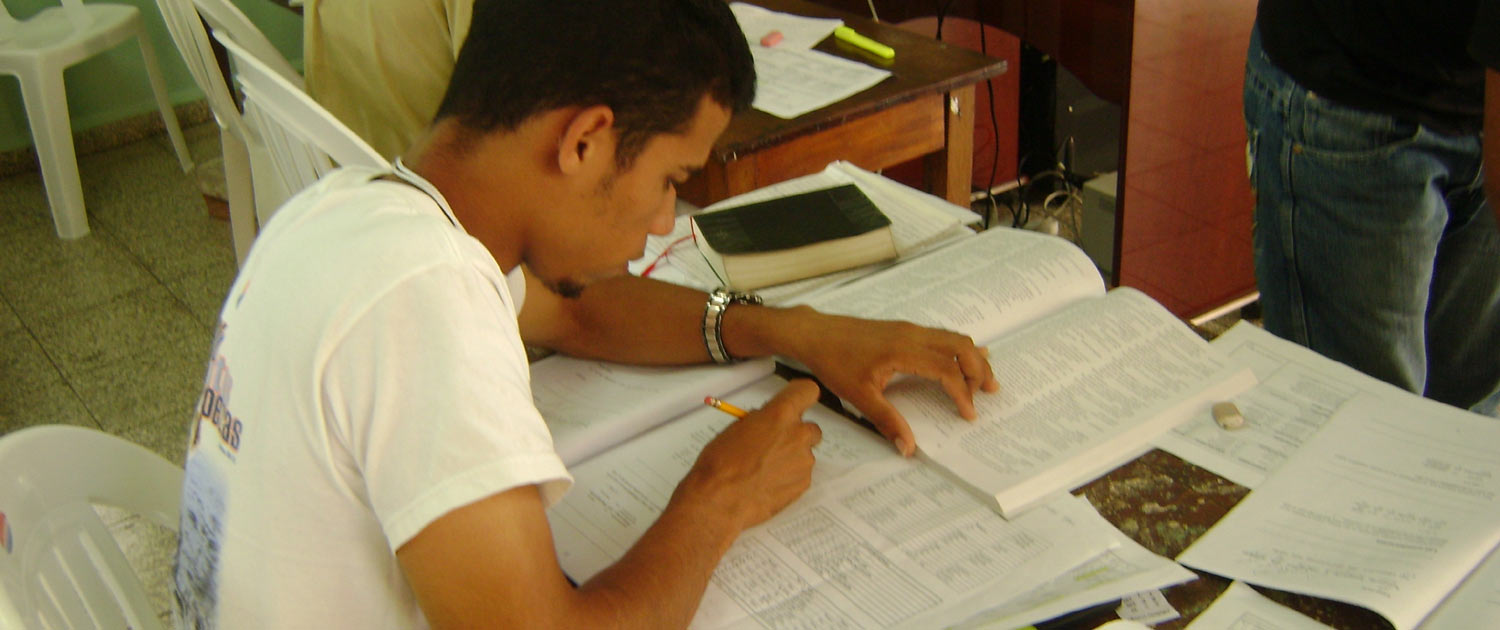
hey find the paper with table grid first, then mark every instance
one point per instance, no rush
(791, 78)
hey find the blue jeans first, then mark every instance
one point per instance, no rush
(1373, 242)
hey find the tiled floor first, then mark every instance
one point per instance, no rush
(1187, 210)
(111, 330)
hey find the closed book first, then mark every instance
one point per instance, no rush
(790, 238)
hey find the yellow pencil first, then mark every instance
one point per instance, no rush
(724, 407)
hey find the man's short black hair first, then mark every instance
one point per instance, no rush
(651, 61)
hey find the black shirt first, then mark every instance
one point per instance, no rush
(1405, 58)
(1484, 42)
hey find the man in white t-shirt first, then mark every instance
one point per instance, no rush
(366, 452)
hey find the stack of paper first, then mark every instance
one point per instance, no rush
(792, 79)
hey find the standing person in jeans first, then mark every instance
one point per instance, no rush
(1374, 243)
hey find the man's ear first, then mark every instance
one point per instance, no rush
(588, 136)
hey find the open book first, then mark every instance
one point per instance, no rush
(882, 541)
(1088, 378)
(878, 541)
(605, 417)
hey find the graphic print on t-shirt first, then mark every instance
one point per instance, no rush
(200, 529)
(199, 534)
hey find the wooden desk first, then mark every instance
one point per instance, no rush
(924, 109)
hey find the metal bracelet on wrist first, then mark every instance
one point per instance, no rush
(713, 321)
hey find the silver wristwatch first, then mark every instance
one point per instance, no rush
(713, 320)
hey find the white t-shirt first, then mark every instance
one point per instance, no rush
(367, 377)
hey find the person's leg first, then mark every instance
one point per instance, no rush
(1463, 314)
(1266, 92)
(1346, 226)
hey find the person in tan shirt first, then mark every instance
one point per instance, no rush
(381, 66)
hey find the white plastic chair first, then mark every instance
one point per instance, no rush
(304, 139)
(60, 567)
(37, 51)
(251, 200)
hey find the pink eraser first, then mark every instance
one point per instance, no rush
(771, 39)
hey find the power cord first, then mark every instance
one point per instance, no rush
(1063, 206)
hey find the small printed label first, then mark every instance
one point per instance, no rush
(1147, 607)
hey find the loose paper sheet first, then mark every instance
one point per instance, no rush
(797, 31)
(793, 82)
(1299, 389)
(1127, 568)
(1474, 604)
(1389, 506)
(1239, 607)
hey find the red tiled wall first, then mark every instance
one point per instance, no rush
(1186, 226)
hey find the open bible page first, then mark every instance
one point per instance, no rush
(1081, 391)
(982, 286)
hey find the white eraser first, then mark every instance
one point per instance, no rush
(1228, 416)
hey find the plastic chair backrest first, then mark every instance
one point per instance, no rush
(8, 23)
(186, 28)
(305, 140)
(59, 565)
(74, 10)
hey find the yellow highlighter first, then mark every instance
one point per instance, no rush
(878, 49)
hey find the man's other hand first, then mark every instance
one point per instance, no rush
(857, 358)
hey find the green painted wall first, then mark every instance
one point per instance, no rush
(111, 86)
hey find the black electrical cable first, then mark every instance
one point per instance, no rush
(989, 86)
(941, 14)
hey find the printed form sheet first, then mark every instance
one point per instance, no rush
(1475, 603)
(1389, 506)
(877, 542)
(793, 79)
(1298, 391)
(1127, 568)
(1239, 607)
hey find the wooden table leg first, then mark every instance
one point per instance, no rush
(949, 170)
